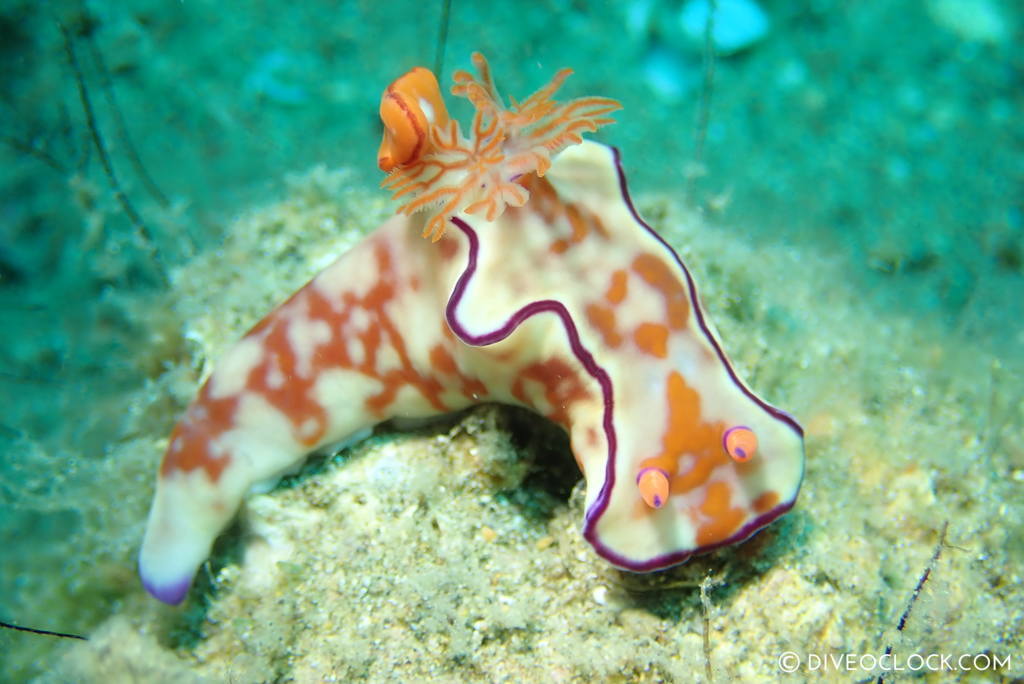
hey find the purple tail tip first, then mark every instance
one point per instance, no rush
(171, 594)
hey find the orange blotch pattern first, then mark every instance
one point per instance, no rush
(383, 329)
(580, 221)
(659, 276)
(208, 418)
(603, 319)
(448, 246)
(562, 387)
(559, 215)
(617, 291)
(189, 446)
(544, 199)
(293, 396)
(443, 362)
(766, 502)
(652, 338)
(721, 518)
(687, 434)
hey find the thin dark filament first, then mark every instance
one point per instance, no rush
(45, 632)
(122, 128)
(442, 37)
(917, 590)
(704, 108)
(97, 139)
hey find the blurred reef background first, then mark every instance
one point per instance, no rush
(853, 211)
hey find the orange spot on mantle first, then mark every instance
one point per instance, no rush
(766, 502)
(724, 519)
(448, 247)
(658, 275)
(616, 293)
(652, 338)
(603, 319)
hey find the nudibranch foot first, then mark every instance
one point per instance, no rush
(549, 293)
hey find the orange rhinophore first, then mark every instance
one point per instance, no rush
(432, 165)
(740, 443)
(409, 108)
(653, 485)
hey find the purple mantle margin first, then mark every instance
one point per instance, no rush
(585, 358)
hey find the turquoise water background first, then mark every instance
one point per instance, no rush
(886, 135)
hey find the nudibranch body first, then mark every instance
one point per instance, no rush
(552, 294)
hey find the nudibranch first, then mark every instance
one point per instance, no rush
(543, 288)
